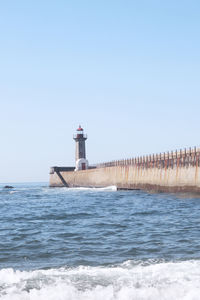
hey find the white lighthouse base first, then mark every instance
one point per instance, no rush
(81, 164)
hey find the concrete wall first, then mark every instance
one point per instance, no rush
(178, 171)
(131, 177)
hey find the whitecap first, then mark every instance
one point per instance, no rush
(128, 281)
(107, 188)
(60, 190)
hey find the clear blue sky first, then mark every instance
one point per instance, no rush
(127, 71)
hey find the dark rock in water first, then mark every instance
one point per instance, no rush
(8, 187)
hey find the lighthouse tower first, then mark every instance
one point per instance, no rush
(80, 138)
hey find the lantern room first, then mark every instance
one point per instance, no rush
(80, 133)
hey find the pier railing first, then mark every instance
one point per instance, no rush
(182, 158)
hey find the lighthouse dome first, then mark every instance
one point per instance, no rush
(80, 128)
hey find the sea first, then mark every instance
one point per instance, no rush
(98, 244)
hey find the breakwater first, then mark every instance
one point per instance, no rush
(173, 171)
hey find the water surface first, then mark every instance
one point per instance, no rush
(83, 243)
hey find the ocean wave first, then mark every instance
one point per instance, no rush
(70, 189)
(131, 280)
(107, 188)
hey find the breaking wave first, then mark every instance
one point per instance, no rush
(92, 189)
(107, 188)
(131, 280)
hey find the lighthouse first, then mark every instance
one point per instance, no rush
(80, 138)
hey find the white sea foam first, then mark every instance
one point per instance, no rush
(95, 189)
(107, 188)
(150, 281)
